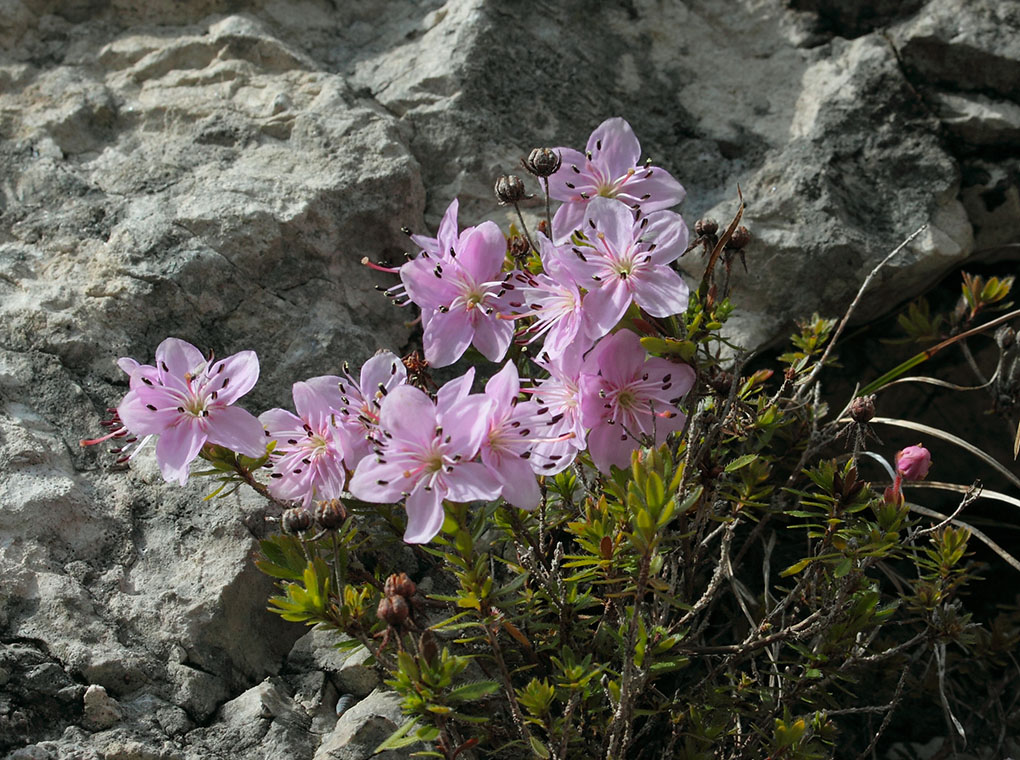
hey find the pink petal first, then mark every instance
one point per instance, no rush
(312, 406)
(619, 358)
(179, 356)
(466, 424)
(447, 235)
(660, 291)
(234, 376)
(379, 480)
(447, 337)
(582, 179)
(423, 286)
(492, 336)
(614, 147)
(408, 415)
(424, 516)
(453, 391)
(137, 415)
(385, 369)
(176, 448)
(568, 219)
(609, 445)
(613, 219)
(471, 481)
(237, 430)
(482, 251)
(605, 306)
(669, 233)
(328, 387)
(503, 388)
(520, 485)
(282, 425)
(663, 190)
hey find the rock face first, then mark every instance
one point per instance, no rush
(216, 170)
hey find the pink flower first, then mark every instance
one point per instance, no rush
(357, 401)
(628, 397)
(308, 460)
(460, 297)
(513, 426)
(560, 394)
(913, 462)
(554, 300)
(608, 168)
(624, 261)
(186, 401)
(424, 452)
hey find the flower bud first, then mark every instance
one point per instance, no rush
(400, 585)
(913, 462)
(296, 520)
(739, 239)
(510, 189)
(542, 162)
(862, 409)
(393, 609)
(330, 514)
(706, 227)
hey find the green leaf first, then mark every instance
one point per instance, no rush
(739, 462)
(472, 691)
(540, 749)
(399, 738)
(797, 567)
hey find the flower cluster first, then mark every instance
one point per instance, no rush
(379, 438)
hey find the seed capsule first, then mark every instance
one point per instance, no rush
(862, 409)
(740, 238)
(542, 162)
(330, 514)
(400, 585)
(706, 226)
(510, 189)
(296, 520)
(393, 609)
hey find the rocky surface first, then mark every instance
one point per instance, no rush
(216, 170)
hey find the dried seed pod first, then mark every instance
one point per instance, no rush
(296, 520)
(739, 239)
(393, 609)
(510, 189)
(331, 514)
(706, 227)
(862, 409)
(542, 162)
(400, 585)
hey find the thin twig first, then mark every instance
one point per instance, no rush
(850, 310)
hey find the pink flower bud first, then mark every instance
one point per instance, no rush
(913, 462)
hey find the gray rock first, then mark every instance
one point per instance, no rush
(178, 168)
(101, 710)
(364, 727)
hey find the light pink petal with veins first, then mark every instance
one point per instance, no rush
(466, 423)
(492, 336)
(234, 376)
(380, 482)
(176, 448)
(424, 516)
(581, 179)
(614, 147)
(481, 252)
(179, 356)
(605, 306)
(409, 415)
(237, 430)
(661, 292)
(140, 419)
(447, 337)
(472, 481)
